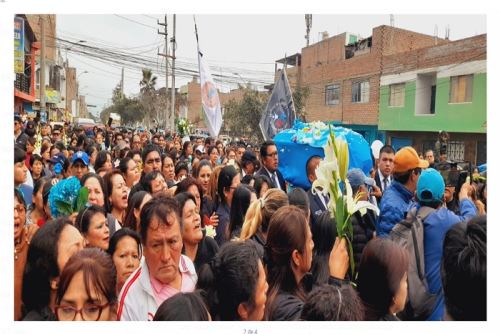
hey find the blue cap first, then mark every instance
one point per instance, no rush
(80, 155)
(358, 178)
(59, 158)
(430, 186)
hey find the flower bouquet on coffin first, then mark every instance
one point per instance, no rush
(331, 174)
(67, 197)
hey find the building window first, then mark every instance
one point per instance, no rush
(456, 151)
(461, 88)
(397, 95)
(332, 94)
(361, 91)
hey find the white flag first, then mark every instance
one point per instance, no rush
(209, 98)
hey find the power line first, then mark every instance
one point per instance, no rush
(137, 22)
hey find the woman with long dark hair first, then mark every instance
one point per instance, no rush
(324, 233)
(289, 250)
(202, 172)
(244, 195)
(135, 204)
(51, 247)
(382, 279)
(103, 163)
(234, 283)
(198, 247)
(228, 181)
(23, 234)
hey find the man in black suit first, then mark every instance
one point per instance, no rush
(269, 160)
(383, 175)
(318, 203)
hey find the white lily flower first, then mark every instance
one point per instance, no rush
(324, 175)
(210, 231)
(343, 157)
(330, 152)
(354, 205)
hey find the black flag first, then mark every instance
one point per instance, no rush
(280, 111)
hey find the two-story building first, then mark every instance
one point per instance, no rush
(343, 75)
(438, 88)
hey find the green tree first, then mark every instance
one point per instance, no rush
(130, 110)
(300, 95)
(241, 118)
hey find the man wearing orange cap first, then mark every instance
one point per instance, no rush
(398, 198)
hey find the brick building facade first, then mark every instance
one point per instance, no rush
(192, 91)
(344, 77)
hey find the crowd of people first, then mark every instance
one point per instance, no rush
(180, 228)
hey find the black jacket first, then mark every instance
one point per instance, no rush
(363, 228)
(315, 205)
(289, 307)
(21, 140)
(378, 182)
(281, 179)
(207, 248)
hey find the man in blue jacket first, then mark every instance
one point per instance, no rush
(398, 198)
(430, 192)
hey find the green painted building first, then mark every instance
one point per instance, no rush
(439, 95)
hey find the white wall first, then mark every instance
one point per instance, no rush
(423, 93)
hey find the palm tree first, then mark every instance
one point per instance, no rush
(147, 90)
(148, 81)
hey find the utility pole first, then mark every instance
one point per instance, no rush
(172, 114)
(167, 114)
(42, 70)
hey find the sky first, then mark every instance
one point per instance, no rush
(244, 47)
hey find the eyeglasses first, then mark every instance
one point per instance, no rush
(151, 161)
(273, 154)
(55, 133)
(88, 312)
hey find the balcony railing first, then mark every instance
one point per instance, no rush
(22, 83)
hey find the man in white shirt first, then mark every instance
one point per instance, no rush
(164, 271)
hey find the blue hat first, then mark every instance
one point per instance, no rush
(59, 158)
(80, 155)
(430, 186)
(358, 178)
